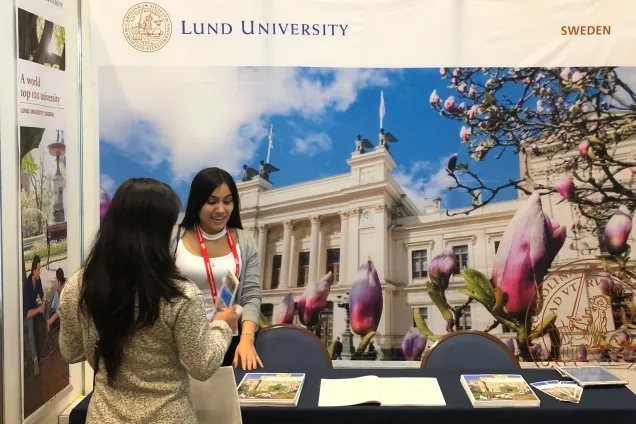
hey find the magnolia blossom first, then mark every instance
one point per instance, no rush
(583, 148)
(577, 77)
(510, 343)
(472, 112)
(314, 300)
(449, 103)
(442, 72)
(565, 74)
(565, 187)
(441, 268)
(284, 311)
(471, 91)
(413, 344)
(617, 231)
(104, 203)
(527, 249)
(464, 134)
(434, 99)
(365, 300)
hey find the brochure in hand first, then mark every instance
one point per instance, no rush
(270, 389)
(565, 391)
(499, 390)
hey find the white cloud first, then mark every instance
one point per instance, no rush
(424, 181)
(628, 76)
(312, 144)
(107, 183)
(198, 117)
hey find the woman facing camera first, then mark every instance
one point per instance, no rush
(141, 325)
(210, 243)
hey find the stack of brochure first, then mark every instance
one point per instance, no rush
(499, 390)
(267, 389)
(565, 391)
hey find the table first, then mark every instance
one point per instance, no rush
(611, 405)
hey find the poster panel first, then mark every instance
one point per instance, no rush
(401, 194)
(42, 87)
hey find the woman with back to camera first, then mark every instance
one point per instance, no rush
(144, 322)
(211, 233)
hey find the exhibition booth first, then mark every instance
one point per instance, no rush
(390, 155)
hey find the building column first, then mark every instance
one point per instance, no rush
(354, 245)
(286, 259)
(262, 254)
(381, 236)
(313, 248)
(344, 246)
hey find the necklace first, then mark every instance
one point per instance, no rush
(213, 237)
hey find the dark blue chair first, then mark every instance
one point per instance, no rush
(289, 348)
(469, 350)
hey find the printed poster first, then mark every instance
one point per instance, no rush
(42, 87)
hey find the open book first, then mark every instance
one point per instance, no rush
(384, 391)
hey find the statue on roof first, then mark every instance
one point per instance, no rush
(385, 138)
(266, 169)
(248, 173)
(362, 143)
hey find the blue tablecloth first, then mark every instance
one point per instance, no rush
(610, 405)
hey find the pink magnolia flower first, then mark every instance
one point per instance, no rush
(284, 311)
(434, 99)
(365, 300)
(617, 231)
(413, 344)
(464, 134)
(454, 81)
(471, 91)
(462, 88)
(539, 106)
(577, 77)
(441, 268)
(104, 203)
(527, 249)
(565, 187)
(456, 72)
(449, 104)
(314, 300)
(472, 112)
(442, 72)
(583, 148)
(581, 355)
(565, 74)
(461, 107)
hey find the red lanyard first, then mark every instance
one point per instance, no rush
(206, 260)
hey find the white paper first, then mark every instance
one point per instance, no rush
(349, 391)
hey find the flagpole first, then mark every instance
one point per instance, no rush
(382, 109)
(271, 139)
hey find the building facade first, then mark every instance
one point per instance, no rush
(337, 223)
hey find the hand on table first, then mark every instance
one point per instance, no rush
(246, 354)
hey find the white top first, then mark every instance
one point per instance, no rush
(192, 267)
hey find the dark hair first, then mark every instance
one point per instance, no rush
(59, 274)
(130, 262)
(35, 262)
(203, 184)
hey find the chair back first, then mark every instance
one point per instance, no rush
(470, 349)
(289, 348)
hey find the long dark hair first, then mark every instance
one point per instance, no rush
(203, 184)
(130, 262)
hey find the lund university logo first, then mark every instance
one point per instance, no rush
(147, 27)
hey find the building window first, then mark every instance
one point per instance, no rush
(424, 313)
(497, 245)
(333, 263)
(505, 329)
(466, 320)
(276, 265)
(419, 264)
(601, 239)
(461, 253)
(303, 269)
(267, 309)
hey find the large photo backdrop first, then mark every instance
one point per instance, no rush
(401, 198)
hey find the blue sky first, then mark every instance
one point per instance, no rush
(314, 129)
